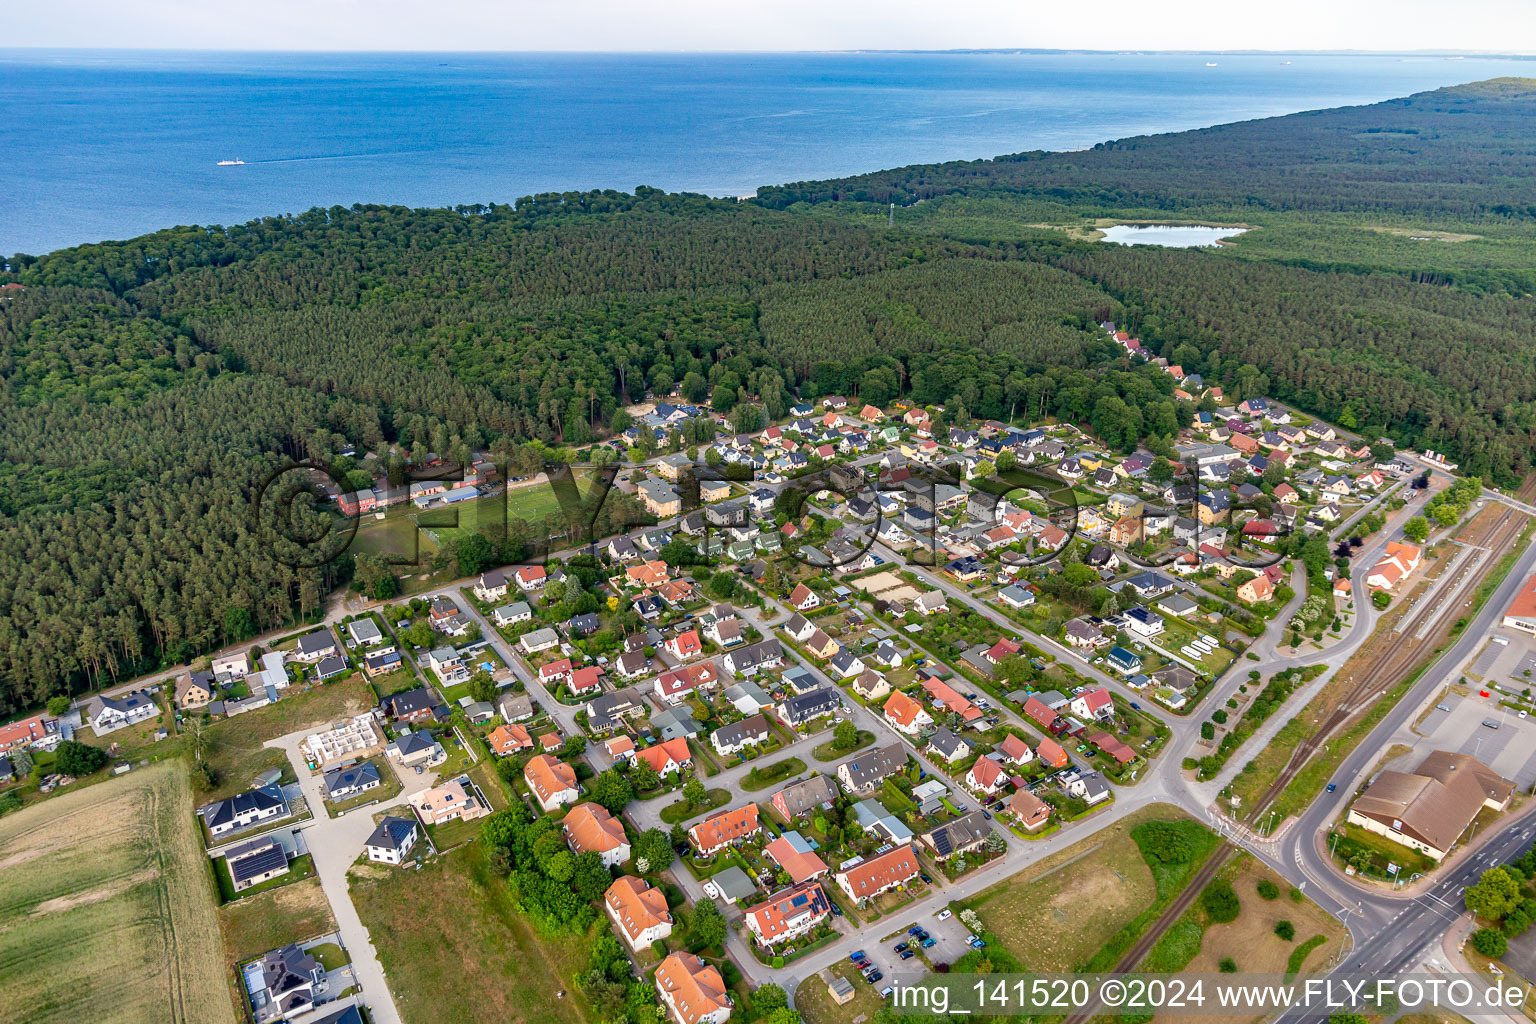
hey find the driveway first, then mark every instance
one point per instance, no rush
(335, 843)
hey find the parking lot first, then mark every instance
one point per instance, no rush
(1509, 750)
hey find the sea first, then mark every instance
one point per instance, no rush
(101, 145)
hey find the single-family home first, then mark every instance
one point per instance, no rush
(449, 801)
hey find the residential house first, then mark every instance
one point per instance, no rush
(314, 646)
(515, 707)
(948, 746)
(1051, 754)
(987, 777)
(1013, 750)
(788, 914)
(348, 781)
(870, 878)
(415, 748)
(449, 801)
(796, 855)
(410, 705)
(195, 689)
(803, 598)
(1123, 660)
(1029, 810)
(1256, 590)
(639, 910)
(803, 708)
(749, 660)
(693, 991)
(685, 645)
(242, 811)
(730, 740)
(906, 715)
(493, 585)
(958, 837)
(505, 740)
(871, 685)
(1112, 747)
(720, 830)
(552, 782)
(590, 827)
(288, 980)
(108, 713)
(804, 797)
(254, 862)
(1095, 704)
(864, 773)
(667, 756)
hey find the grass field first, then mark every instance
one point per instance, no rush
(457, 952)
(275, 918)
(1250, 940)
(817, 1006)
(1057, 922)
(107, 908)
(241, 737)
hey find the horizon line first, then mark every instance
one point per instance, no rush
(1231, 51)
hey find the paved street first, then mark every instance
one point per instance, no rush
(335, 843)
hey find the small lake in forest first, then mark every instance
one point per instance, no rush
(1177, 236)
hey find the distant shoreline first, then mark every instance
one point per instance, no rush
(1004, 51)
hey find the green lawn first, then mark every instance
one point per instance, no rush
(299, 868)
(762, 778)
(682, 810)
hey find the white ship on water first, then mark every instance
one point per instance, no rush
(231, 163)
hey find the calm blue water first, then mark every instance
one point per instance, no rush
(97, 145)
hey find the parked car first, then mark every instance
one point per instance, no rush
(860, 955)
(914, 929)
(928, 943)
(945, 915)
(907, 954)
(872, 978)
(901, 947)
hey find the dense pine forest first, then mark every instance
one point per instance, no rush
(149, 385)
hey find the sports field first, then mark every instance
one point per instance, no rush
(107, 909)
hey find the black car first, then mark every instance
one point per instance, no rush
(872, 978)
(901, 947)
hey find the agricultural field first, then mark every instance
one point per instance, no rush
(457, 952)
(107, 908)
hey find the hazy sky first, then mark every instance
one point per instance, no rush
(771, 24)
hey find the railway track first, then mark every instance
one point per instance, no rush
(1424, 628)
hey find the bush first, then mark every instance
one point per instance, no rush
(1220, 902)
(1490, 942)
(77, 759)
(1285, 930)
(1227, 965)
(1296, 896)
(1268, 890)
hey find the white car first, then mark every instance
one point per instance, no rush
(945, 915)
